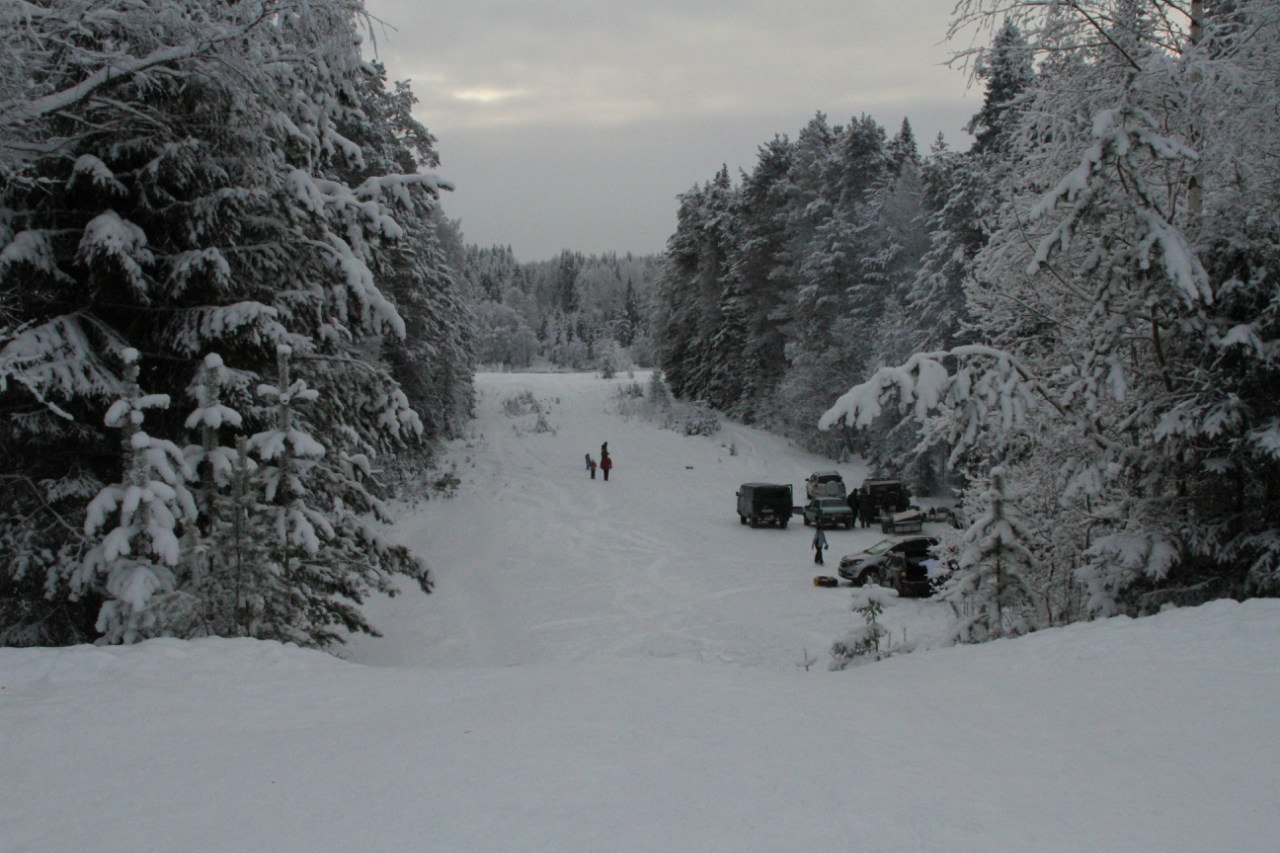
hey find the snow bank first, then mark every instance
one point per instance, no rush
(1121, 735)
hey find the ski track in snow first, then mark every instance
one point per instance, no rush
(535, 562)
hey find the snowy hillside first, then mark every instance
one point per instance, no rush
(617, 666)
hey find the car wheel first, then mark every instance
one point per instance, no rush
(806, 521)
(755, 522)
(742, 519)
(870, 576)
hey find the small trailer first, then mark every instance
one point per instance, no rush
(908, 521)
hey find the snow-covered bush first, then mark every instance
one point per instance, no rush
(631, 391)
(866, 640)
(524, 403)
(612, 360)
(701, 420)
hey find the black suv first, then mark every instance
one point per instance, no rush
(764, 503)
(887, 496)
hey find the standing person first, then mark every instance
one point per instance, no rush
(867, 511)
(852, 501)
(819, 543)
(591, 466)
(606, 463)
(604, 451)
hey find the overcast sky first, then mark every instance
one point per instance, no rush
(576, 123)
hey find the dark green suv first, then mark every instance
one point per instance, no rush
(828, 512)
(764, 503)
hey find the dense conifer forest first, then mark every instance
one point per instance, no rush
(1072, 323)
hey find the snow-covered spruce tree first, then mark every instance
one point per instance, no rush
(434, 360)
(134, 526)
(216, 547)
(763, 303)
(676, 327)
(1008, 71)
(323, 553)
(989, 590)
(171, 181)
(865, 640)
(698, 344)
(839, 290)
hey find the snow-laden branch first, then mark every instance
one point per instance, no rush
(1119, 132)
(18, 111)
(989, 390)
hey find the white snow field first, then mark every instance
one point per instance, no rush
(618, 667)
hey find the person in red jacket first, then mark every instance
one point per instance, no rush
(606, 462)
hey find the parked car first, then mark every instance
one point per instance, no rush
(764, 503)
(887, 496)
(828, 512)
(870, 566)
(824, 484)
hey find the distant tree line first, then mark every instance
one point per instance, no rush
(228, 297)
(575, 311)
(1077, 316)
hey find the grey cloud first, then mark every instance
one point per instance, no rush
(539, 106)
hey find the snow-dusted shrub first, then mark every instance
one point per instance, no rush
(701, 421)
(524, 403)
(631, 391)
(613, 359)
(866, 640)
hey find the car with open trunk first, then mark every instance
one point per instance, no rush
(879, 563)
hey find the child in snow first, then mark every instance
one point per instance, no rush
(819, 543)
(591, 466)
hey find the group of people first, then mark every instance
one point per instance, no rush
(864, 512)
(606, 462)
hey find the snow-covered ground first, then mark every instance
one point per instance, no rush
(618, 666)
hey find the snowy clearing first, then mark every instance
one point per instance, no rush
(617, 665)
